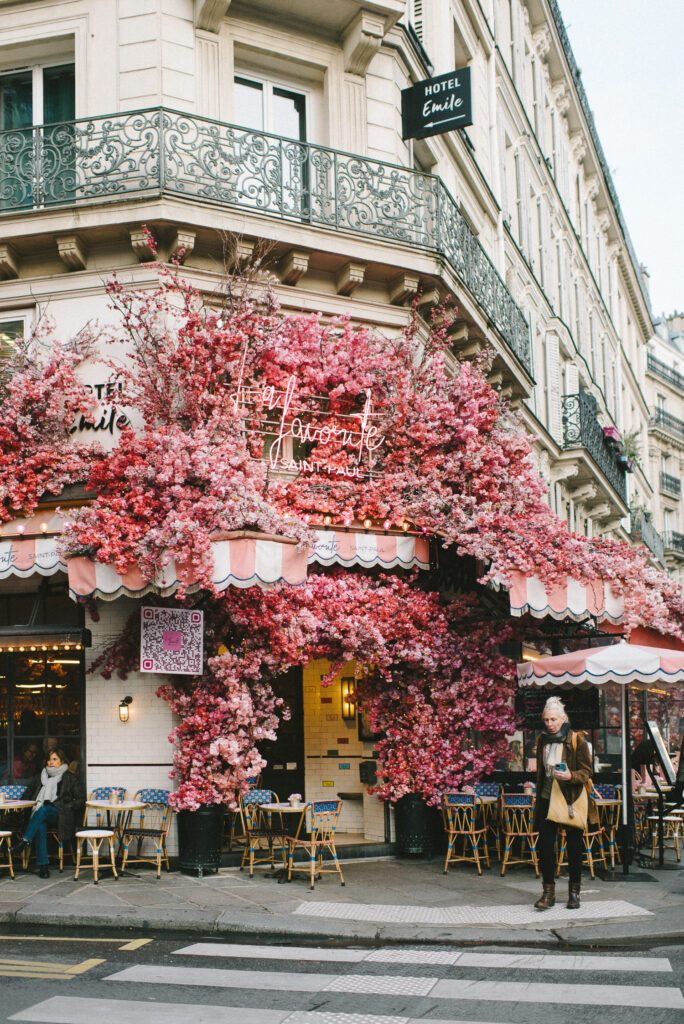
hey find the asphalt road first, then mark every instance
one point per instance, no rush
(128, 979)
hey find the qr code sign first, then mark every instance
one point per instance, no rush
(171, 641)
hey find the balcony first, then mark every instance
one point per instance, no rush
(160, 152)
(669, 424)
(665, 372)
(581, 429)
(671, 485)
(644, 530)
(674, 543)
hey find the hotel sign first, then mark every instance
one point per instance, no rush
(437, 105)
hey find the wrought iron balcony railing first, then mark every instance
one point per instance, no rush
(670, 484)
(581, 429)
(665, 372)
(644, 530)
(674, 542)
(669, 423)
(160, 151)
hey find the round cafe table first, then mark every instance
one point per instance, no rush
(16, 805)
(293, 827)
(118, 815)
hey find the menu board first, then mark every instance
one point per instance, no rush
(662, 752)
(582, 706)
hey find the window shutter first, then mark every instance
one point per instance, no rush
(553, 388)
(416, 17)
(571, 379)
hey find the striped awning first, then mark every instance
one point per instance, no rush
(242, 561)
(389, 550)
(29, 546)
(570, 600)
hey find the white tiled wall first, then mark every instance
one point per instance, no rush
(326, 773)
(136, 754)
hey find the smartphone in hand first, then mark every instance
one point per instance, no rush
(561, 766)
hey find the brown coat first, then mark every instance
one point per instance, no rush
(579, 764)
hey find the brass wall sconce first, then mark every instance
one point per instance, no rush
(348, 685)
(124, 709)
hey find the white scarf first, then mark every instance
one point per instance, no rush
(553, 755)
(50, 779)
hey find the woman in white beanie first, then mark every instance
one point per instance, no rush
(559, 746)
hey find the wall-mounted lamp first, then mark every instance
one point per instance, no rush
(348, 697)
(124, 709)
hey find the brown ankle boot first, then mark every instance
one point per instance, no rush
(573, 896)
(547, 898)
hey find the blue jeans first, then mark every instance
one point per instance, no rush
(42, 821)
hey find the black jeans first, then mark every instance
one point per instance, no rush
(546, 847)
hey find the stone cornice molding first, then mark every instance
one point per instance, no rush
(561, 96)
(578, 146)
(542, 40)
(209, 14)
(593, 186)
(361, 41)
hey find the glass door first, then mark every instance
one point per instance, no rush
(278, 174)
(36, 163)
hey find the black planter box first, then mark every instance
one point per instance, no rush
(200, 835)
(416, 826)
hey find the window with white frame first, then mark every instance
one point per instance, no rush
(14, 326)
(266, 107)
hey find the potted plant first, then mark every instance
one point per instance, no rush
(612, 436)
(629, 456)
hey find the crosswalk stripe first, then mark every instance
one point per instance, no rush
(64, 1010)
(538, 992)
(226, 949)
(568, 962)
(461, 958)
(463, 989)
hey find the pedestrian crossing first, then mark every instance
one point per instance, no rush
(265, 984)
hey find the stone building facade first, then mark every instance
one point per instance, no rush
(263, 125)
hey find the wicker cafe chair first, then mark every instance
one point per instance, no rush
(609, 817)
(234, 823)
(464, 820)
(150, 824)
(6, 841)
(324, 817)
(490, 811)
(263, 830)
(517, 824)
(594, 849)
(15, 821)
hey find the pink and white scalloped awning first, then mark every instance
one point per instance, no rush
(571, 600)
(389, 550)
(238, 562)
(29, 546)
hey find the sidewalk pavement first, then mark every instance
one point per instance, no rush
(385, 900)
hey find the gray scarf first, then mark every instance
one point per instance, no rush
(50, 779)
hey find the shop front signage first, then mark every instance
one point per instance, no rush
(437, 105)
(352, 433)
(171, 640)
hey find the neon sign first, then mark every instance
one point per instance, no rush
(360, 436)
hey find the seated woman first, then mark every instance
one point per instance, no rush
(59, 797)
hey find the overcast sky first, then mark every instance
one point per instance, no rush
(630, 55)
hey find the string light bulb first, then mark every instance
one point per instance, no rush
(405, 526)
(327, 519)
(368, 523)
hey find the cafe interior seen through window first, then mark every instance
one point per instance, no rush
(40, 690)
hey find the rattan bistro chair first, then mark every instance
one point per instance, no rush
(465, 824)
(264, 831)
(321, 839)
(490, 811)
(6, 841)
(149, 825)
(609, 818)
(517, 825)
